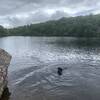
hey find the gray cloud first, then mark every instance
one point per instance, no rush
(59, 14)
(21, 12)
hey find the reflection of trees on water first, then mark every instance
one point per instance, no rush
(76, 42)
(6, 94)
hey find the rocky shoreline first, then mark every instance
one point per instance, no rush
(5, 59)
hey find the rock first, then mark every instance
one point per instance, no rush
(6, 94)
(5, 59)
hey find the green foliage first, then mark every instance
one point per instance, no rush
(3, 31)
(81, 26)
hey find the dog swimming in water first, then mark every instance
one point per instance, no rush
(59, 71)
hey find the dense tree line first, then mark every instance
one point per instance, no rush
(3, 31)
(81, 26)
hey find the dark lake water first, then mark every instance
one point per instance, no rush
(33, 70)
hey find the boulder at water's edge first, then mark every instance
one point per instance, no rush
(5, 59)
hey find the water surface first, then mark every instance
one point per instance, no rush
(33, 70)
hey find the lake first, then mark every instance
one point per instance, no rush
(33, 74)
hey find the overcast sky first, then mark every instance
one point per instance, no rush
(21, 12)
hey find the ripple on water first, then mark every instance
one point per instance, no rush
(33, 71)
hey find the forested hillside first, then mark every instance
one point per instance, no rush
(3, 31)
(81, 26)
